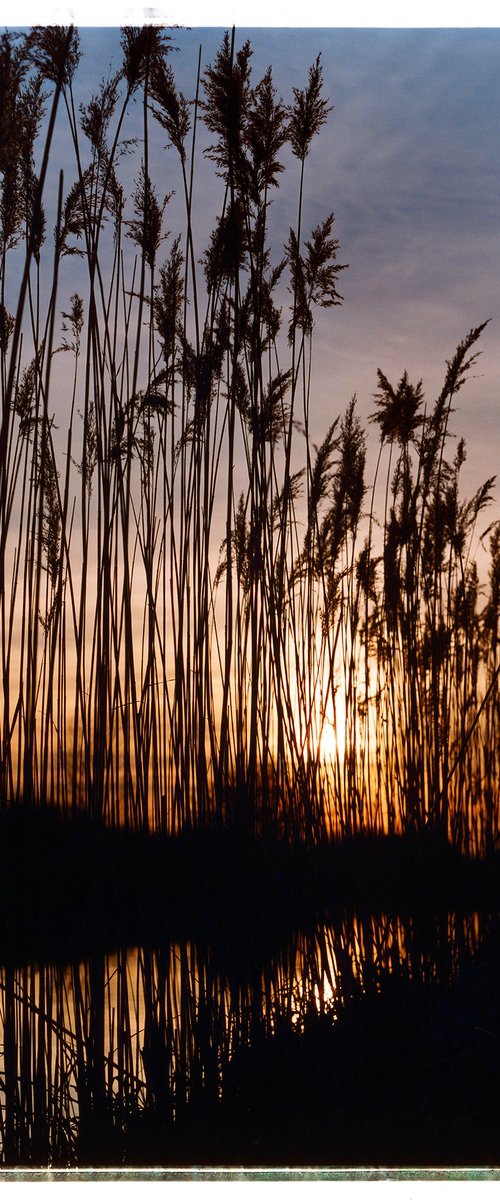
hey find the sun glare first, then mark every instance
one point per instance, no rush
(331, 730)
(332, 743)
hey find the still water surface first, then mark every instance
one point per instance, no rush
(141, 1027)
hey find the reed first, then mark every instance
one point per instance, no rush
(192, 593)
(173, 643)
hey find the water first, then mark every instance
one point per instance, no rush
(88, 1050)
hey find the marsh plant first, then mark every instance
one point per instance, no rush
(191, 591)
(209, 624)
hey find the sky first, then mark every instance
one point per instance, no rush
(409, 163)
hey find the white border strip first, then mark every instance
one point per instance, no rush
(257, 13)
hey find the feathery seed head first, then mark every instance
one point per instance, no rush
(55, 51)
(6, 326)
(145, 230)
(227, 249)
(399, 410)
(170, 109)
(142, 46)
(169, 299)
(265, 133)
(95, 117)
(73, 323)
(308, 113)
(226, 107)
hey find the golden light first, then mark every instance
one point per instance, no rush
(331, 729)
(330, 743)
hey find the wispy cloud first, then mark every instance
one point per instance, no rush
(409, 164)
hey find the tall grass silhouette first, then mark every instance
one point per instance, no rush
(190, 587)
(192, 592)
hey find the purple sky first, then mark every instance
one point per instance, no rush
(409, 162)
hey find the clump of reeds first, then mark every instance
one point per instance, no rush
(191, 594)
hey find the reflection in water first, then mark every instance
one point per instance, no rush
(86, 1049)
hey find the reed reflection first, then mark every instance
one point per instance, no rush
(147, 1043)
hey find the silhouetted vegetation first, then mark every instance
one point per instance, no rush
(308, 1005)
(192, 593)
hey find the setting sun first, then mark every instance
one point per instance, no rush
(332, 743)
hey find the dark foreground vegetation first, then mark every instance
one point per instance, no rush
(309, 1005)
(69, 888)
(407, 1075)
(250, 705)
